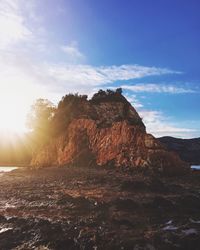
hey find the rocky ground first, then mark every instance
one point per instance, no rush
(96, 208)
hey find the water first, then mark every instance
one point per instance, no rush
(7, 168)
(10, 168)
(195, 167)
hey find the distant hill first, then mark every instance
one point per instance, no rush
(187, 149)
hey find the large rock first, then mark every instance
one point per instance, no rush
(109, 132)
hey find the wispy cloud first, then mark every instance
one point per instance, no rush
(72, 51)
(87, 74)
(64, 78)
(159, 125)
(12, 25)
(134, 101)
(157, 88)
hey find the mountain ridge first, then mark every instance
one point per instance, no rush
(187, 149)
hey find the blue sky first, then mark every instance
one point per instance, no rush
(149, 48)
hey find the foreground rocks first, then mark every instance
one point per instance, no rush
(107, 130)
(96, 208)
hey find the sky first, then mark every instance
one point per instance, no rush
(149, 48)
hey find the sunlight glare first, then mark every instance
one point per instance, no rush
(15, 102)
(12, 114)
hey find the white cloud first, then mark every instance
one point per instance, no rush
(157, 88)
(72, 51)
(94, 76)
(12, 25)
(60, 79)
(156, 122)
(134, 101)
(159, 125)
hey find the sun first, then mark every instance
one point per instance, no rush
(13, 113)
(15, 102)
(18, 91)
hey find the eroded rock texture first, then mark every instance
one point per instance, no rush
(107, 132)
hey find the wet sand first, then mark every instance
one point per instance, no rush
(96, 208)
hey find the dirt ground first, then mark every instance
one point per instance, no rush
(98, 208)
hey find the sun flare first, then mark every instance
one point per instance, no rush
(17, 93)
(15, 102)
(12, 115)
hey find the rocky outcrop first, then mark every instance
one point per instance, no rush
(187, 149)
(108, 132)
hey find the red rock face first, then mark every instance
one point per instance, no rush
(122, 143)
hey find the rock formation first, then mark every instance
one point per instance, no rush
(107, 130)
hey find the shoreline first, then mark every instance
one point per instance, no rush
(15, 165)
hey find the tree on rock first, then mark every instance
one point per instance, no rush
(39, 119)
(119, 91)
